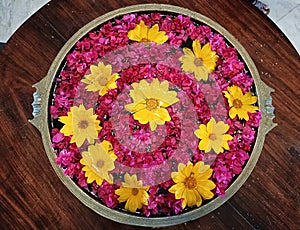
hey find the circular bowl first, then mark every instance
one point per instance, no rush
(42, 119)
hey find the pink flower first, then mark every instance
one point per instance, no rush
(107, 193)
(58, 137)
(254, 119)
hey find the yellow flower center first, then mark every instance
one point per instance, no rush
(134, 191)
(237, 103)
(190, 182)
(152, 104)
(198, 62)
(83, 124)
(102, 80)
(100, 164)
(212, 136)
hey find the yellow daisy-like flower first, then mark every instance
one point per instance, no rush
(133, 192)
(82, 124)
(98, 161)
(200, 61)
(150, 101)
(213, 136)
(100, 79)
(192, 183)
(241, 104)
(142, 33)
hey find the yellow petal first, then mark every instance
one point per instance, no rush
(169, 98)
(232, 112)
(204, 170)
(137, 95)
(184, 202)
(206, 194)
(217, 145)
(131, 204)
(67, 130)
(210, 125)
(204, 144)
(153, 125)
(135, 107)
(142, 116)
(201, 73)
(178, 177)
(225, 145)
(209, 146)
(203, 131)
(155, 36)
(206, 51)
(191, 198)
(249, 99)
(162, 113)
(134, 36)
(181, 166)
(164, 86)
(187, 170)
(207, 184)
(228, 96)
(198, 198)
(220, 128)
(250, 108)
(242, 114)
(178, 190)
(197, 48)
(139, 32)
(144, 197)
(236, 91)
(197, 133)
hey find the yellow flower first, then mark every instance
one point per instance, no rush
(150, 101)
(98, 161)
(142, 33)
(240, 103)
(82, 124)
(213, 136)
(192, 183)
(101, 79)
(201, 62)
(133, 192)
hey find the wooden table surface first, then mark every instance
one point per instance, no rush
(33, 197)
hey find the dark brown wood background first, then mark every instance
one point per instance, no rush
(33, 197)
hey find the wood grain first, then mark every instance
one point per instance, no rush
(32, 196)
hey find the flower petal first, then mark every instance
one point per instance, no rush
(197, 48)
(154, 35)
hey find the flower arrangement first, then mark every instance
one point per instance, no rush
(153, 114)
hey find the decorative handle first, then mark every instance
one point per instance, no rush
(267, 108)
(36, 105)
(40, 103)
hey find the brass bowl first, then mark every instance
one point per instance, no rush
(41, 120)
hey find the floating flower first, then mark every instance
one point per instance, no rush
(213, 136)
(241, 104)
(133, 192)
(150, 101)
(142, 33)
(81, 124)
(192, 183)
(100, 79)
(200, 61)
(98, 161)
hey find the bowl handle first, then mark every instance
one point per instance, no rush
(267, 108)
(39, 104)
